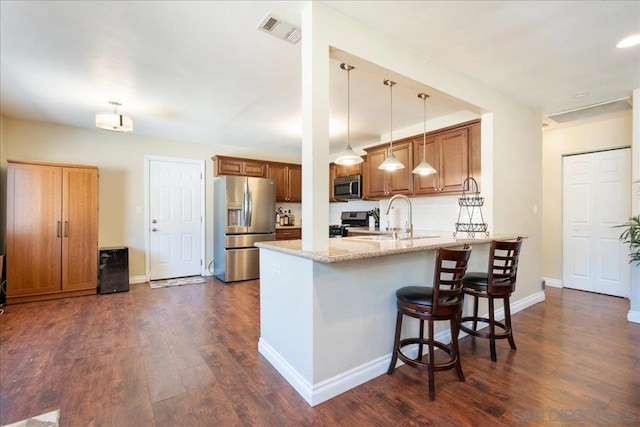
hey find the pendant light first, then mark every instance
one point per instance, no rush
(424, 168)
(348, 157)
(114, 121)
(390, 163)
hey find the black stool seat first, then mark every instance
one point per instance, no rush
(479, 281)
(423, 295)
(498, 283)
(442, 301)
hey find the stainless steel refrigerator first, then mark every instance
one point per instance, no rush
(244, 213)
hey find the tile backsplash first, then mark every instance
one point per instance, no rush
(429, 213)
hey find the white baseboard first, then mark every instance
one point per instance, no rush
(315, 394)
(553, 283)
(633, 316)
(134, 280)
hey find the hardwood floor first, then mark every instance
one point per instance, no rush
(187, 356)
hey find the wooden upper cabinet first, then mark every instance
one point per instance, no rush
(455, 154)
(295, 183)
(223, 165)
(342, 171)
(474, 153)
(288, 178)
(379, 183)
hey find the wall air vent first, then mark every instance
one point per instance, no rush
(592, 110)
(281, 29)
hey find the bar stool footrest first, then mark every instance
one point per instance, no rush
(424, 366)
(475, 333)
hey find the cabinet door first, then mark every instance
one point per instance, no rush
(474, 153)
(279, 174)
(288, 234)
(294, 182)
(351, 170)
(375, 185)
(454, 168)
(226, 166)
(34, 229)
(427, 184)
(401, 181)
(79, 228)
(332, 176)
(252, 168)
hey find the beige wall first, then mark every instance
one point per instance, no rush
(604, 132)
(120, 159)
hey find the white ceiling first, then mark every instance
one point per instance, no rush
(202, 72)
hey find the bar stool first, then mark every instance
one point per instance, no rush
(442, 301)
(498, 283)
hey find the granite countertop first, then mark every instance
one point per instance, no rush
(354, 248)
(286, 227)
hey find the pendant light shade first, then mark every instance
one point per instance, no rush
(390, 163)
(424, 168)
(114, 121)
(348, 157)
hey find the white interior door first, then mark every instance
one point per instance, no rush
(596, 197)
(175, 217)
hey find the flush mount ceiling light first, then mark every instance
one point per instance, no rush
(390, 163)
(424, 168)
(114, 121)
(348, 157)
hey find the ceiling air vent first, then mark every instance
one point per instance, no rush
(591, 111)
(281, 29)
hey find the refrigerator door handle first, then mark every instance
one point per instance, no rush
(249, 205)
(245, 204)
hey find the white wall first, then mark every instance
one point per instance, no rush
(511, 132)
(120, 159)
(599, 133)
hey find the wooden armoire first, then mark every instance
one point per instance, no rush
(52, 230)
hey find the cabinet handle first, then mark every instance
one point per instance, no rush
(58, 226)
(66, 229)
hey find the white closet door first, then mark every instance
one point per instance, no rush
(596, 198)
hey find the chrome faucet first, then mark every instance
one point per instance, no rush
(408, 229)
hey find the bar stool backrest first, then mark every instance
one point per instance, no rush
(503, 265)
(451, 265)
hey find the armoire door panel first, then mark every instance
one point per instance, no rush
(80, 228)
(34, 229)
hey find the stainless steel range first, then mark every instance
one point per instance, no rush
(355, 219)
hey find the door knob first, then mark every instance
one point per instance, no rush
(154, 229)
(154, 221)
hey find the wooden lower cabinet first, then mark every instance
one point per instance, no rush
(52, 231)
(288, 233)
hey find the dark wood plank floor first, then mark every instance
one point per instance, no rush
(187, 356)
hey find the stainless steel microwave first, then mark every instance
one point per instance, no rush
(348, 187)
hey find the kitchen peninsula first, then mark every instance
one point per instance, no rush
(327, 318)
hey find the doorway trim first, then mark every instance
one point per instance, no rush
(147, 235)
